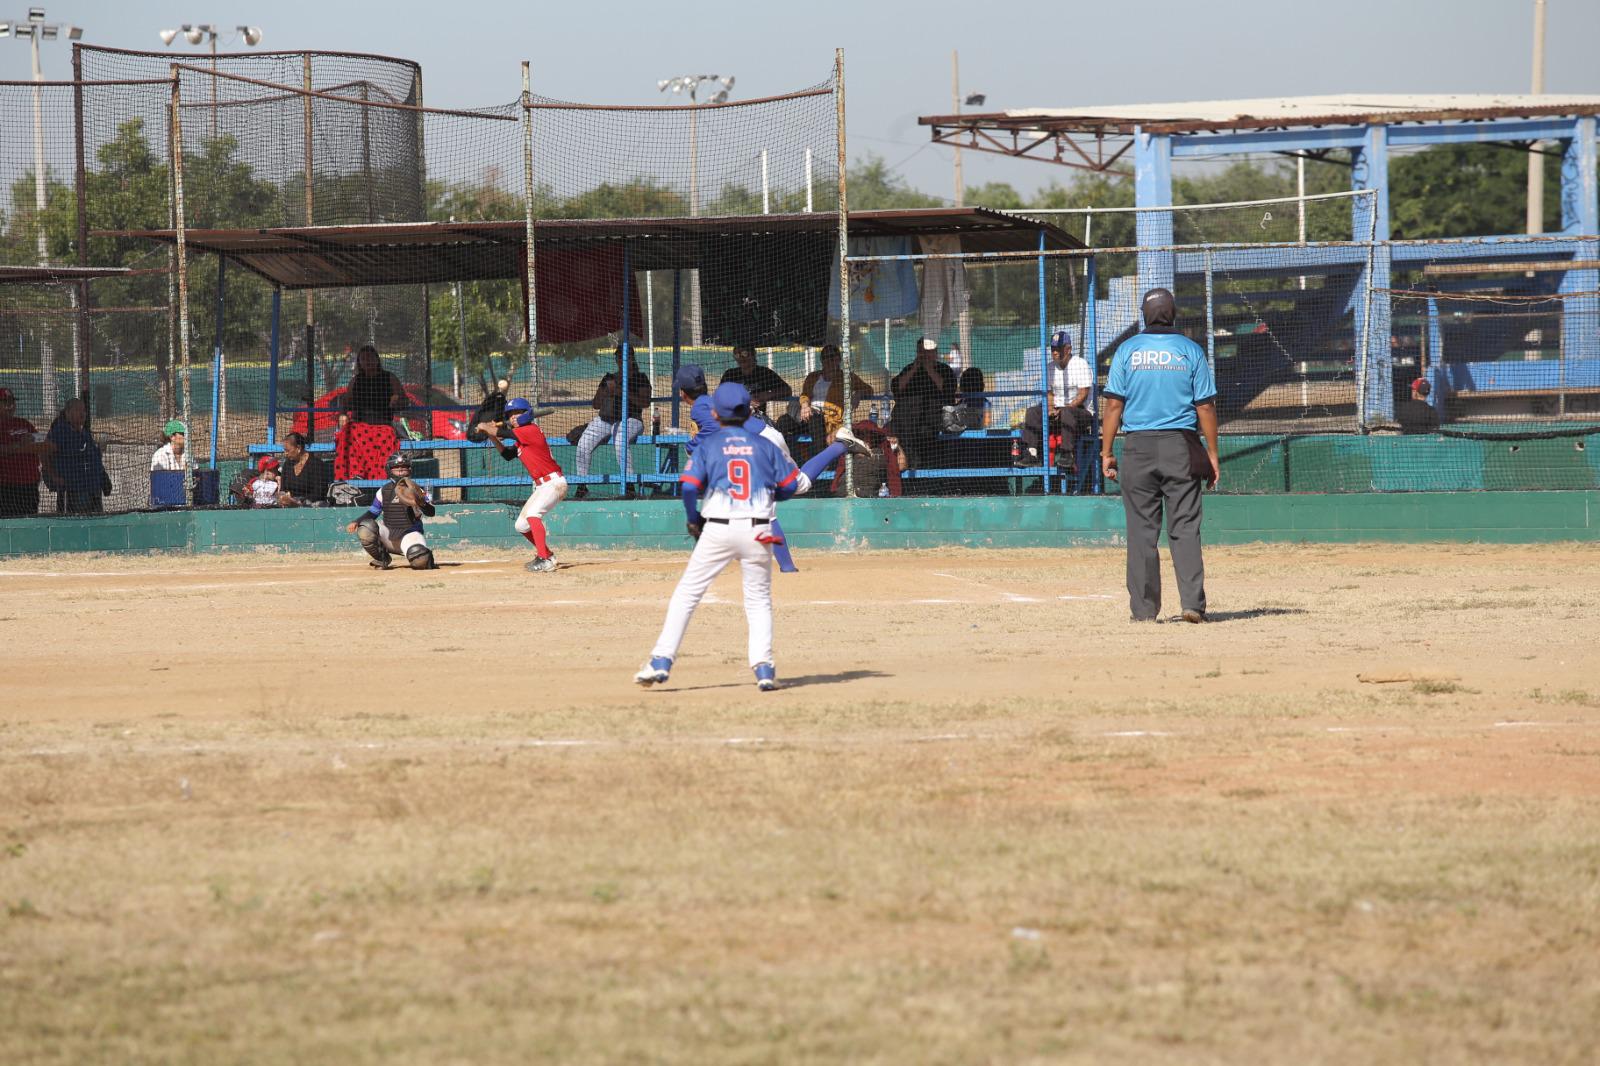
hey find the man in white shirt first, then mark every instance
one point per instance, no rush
(1071, 399)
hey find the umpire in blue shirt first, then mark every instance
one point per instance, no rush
(1159, 390)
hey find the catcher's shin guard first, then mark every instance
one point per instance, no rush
(419, 557)
(367, 534)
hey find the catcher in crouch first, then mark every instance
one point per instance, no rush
(393, 524)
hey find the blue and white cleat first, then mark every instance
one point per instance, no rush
(766, 677)
(654, 672)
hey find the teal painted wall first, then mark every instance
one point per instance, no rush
(1009, 522)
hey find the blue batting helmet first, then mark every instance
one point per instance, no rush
(519, 411)
(731, 400)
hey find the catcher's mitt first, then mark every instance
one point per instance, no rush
(408, 492)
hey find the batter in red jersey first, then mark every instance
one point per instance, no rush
(549, 486)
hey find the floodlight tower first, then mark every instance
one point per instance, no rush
(197, 32)
(691, 83)
(35, 29)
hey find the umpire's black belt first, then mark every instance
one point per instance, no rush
(753, 521)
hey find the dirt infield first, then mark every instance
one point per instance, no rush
(284, 808)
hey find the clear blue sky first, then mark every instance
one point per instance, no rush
(1023, 53)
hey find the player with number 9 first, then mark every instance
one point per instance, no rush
(741, 476)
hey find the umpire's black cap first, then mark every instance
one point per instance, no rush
(1159, 308)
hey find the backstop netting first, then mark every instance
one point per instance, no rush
(41, 349)
(291, 140)
(730, 241)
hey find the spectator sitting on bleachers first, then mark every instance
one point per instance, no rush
(1071, 397)
(1416, 415)
(264, 489)
(607, 423)
(822, 400)
(302, 477)
(921, 391)
(971, 406)
(173, 453)
(763, 382)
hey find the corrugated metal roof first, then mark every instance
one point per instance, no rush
(411, 253)
(30, 275)
(1291, 108)
(1272, 112)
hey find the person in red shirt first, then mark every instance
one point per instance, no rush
(20, 449)
(549, 486)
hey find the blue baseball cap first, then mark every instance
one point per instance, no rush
(520, 410)
(731, 400)
(689, 378)
(1061, 339)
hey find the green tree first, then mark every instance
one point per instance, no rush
(1466, 190)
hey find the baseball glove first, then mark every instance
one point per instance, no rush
(409, 493)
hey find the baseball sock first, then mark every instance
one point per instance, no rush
(812, 469)
(535, 535)
(780, 550)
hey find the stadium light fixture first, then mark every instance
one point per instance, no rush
(35, 14)
(24, 32)
(5, 29)
(195, 33)
(203, 32)
(691, 84)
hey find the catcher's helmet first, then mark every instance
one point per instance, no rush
(730, 401)
(397, 461)
(519, 411)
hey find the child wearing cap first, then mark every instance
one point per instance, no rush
(173, 453)
(264, 489)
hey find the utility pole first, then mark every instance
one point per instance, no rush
(35, 29)
(1535, 158)
(955, 98)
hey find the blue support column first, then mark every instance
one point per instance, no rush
(1370, 170)
(1437, 378)
(627, 365)
(1044, 371)
(1580, 217)
(1091, 329)
(216, 357)
(1152, 187)
(272, 366)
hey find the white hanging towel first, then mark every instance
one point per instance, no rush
(944, 284)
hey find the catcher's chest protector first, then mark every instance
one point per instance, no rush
(396, 513)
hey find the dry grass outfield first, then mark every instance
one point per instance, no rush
(285, 810)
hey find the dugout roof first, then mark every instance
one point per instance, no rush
(315, 257)
(31, 275)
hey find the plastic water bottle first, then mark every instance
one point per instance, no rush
(883, 491)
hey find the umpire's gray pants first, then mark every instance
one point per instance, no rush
(1154, 471)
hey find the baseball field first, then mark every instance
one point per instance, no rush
(285, 809)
